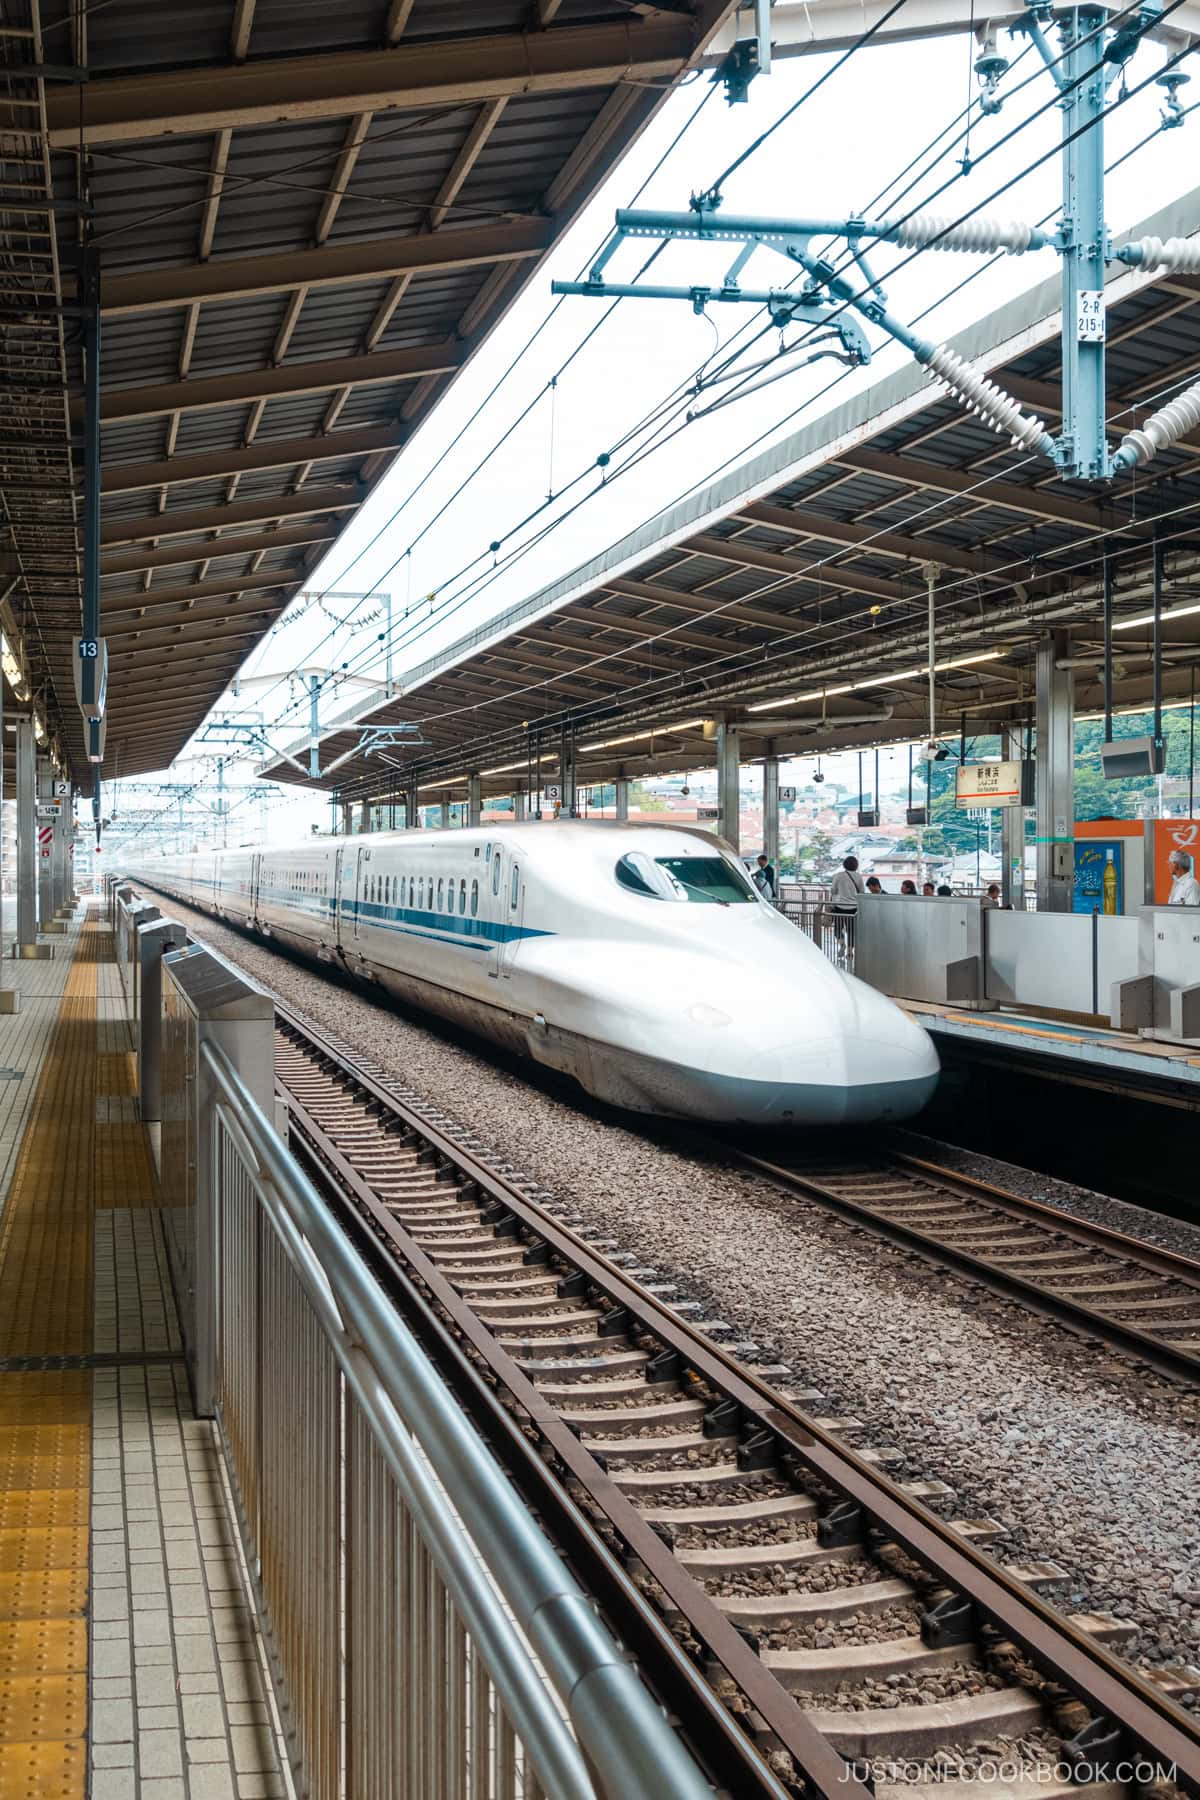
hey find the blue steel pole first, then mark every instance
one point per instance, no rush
(90, 620)
(1085, 246)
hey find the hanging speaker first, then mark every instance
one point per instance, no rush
(868, 818)
(916, 815)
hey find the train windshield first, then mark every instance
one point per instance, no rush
(705, 880)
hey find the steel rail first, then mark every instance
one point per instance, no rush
(1063, 1650)
(1057, 1305)
(401, 1395)
(722, 1744)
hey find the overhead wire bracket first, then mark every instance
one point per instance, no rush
(847, 296)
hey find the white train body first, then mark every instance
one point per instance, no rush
(637, 959)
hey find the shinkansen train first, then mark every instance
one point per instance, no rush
(641, 960)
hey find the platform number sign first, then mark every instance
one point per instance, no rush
(552, 792)
(786, 795)
(89, 648)
(1089, 316)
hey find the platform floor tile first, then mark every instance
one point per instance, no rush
(130, 1665)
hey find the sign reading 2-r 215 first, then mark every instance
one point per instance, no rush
(1089, 316)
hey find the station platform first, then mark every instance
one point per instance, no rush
(130, 1661)
(1090, 1055)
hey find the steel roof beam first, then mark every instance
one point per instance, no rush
(431, 73)
(881, 543)
(129, 695)
(133, 562)
(124, 638)
(112, 605)
(697, 605)
(749, 556)
(648, 630)
(521, 658)
(264, 453)
(329, 265)
(1035, 502)
(308, 502)
(286, 381)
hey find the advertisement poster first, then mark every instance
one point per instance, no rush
(1173, 834)
(1099, 875)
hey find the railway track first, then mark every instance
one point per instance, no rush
(793, 1606)
(1108, 1286)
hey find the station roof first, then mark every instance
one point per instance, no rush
(805, 569)
(308, 217)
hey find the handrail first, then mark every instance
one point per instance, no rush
(628, 1743)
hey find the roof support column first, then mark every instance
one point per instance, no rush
(474, 800)
(728, 784)
(412, 811)
(26, 944)
(10, 997)
(364, 816)
(58, 863)
(444, 813)
(770, 809)
(1012, 830)
(566, 773)
(520, 802)
(622, 786)
(45, 883)
(347, 818)
(1055, 776)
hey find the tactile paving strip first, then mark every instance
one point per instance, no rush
(46, 1412)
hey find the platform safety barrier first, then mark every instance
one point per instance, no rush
(132, 912)
(425, 1637)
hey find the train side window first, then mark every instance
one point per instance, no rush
(474, 898)
(496, 873)
(462, 897)
(450, 895)
(515, 890)
(440, 891)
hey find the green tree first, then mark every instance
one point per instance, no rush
(815, 860)
(641, 797)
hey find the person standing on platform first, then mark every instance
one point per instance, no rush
(844, 891)
(1185, 889)
(928, 891)
(909, 889)
(764, 878)
(845, 888)
(874, 885)
(992, 897)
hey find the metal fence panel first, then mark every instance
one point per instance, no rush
(418, 1622)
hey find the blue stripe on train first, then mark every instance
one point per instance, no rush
(467, 934)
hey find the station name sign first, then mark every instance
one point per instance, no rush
(988, 784)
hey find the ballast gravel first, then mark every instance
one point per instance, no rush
(1078, 1455)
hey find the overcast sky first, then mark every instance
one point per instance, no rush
(840, 153)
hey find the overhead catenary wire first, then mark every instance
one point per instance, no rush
(1024, 123)
(946, 227)
(791, 110)
(808, 570)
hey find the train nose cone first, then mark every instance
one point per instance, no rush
(864, 1060)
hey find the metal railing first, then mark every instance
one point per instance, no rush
(809, 908)
(426, 1639)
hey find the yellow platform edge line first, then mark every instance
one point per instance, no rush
(46, 1307)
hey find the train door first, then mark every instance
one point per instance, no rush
(494, 902)
(361, 858)
(335, 898)
(513, 911)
